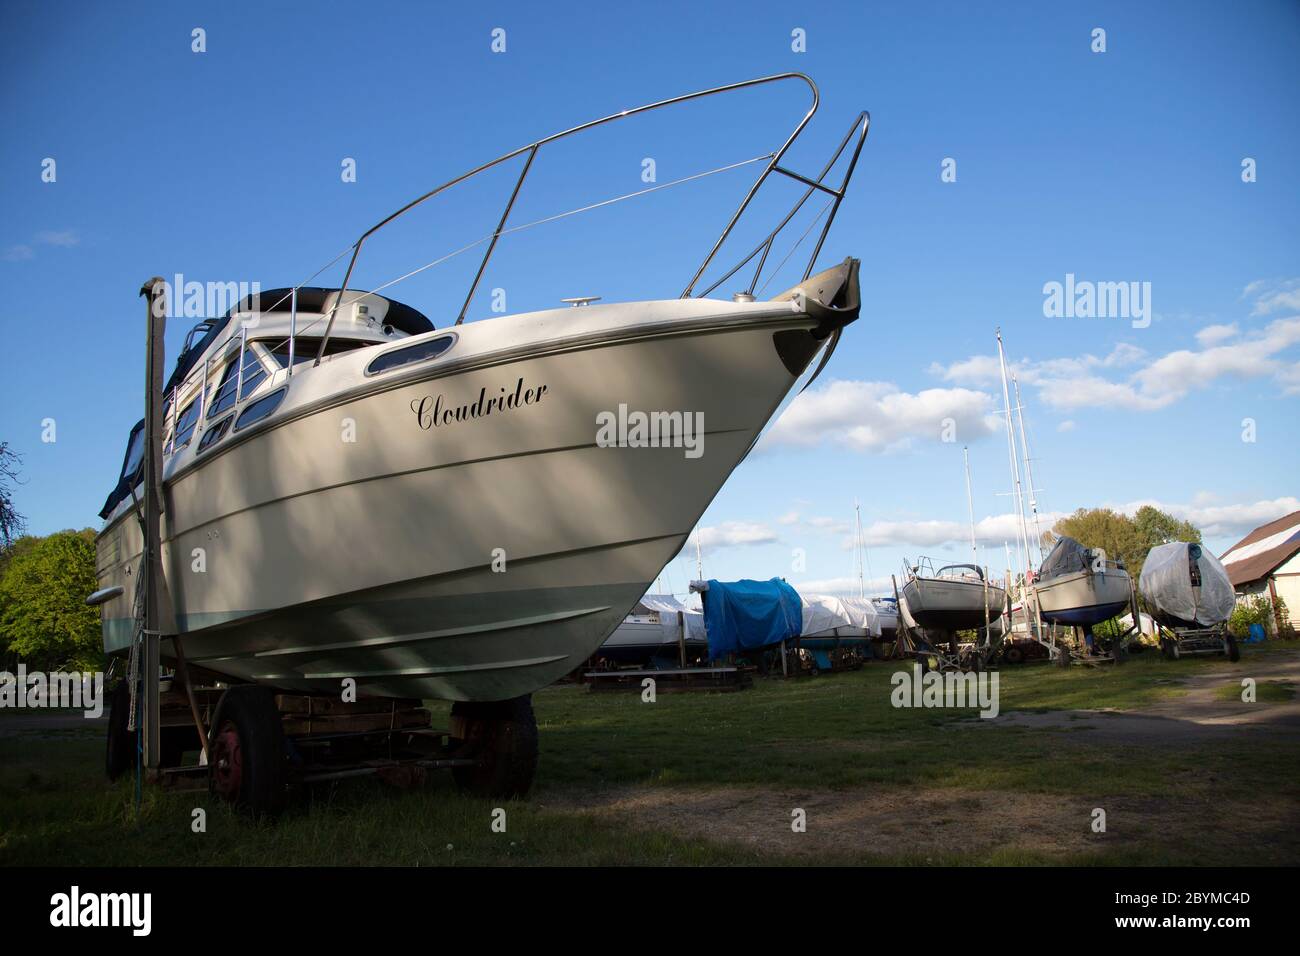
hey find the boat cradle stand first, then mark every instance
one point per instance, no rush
(1178, 642)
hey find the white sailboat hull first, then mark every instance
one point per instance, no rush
(947, 604)
(1084, 598)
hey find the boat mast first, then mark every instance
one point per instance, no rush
(859, 547)
(699, 565)
(1029, 468)
(970, 505)
(1022, 529)
(974, 550)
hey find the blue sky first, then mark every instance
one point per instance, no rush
(1120, 166)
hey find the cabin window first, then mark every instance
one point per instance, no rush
(256, 411)
(185, 425)
(134, 455)
(215, 433)
(225, 394)
(410, 354)
(304, 350)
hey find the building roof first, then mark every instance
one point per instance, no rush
(1259, 553)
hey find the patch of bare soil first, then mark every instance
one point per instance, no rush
(1198, 716)
(935, 825)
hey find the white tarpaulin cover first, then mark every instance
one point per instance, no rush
(668, 606)
(823, 613)
(1167, 584)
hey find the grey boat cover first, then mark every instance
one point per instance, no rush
(1171, 575)
(1067, 557)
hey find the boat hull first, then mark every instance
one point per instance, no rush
(941, 604)
(477, 560)
(1084, 598)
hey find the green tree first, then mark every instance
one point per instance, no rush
(1129, 539)
(1103, 528)
(1156, 527)
(11, 522)
(44, 620)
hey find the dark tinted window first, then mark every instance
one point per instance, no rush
(215, 433)
(225, 394)
(185, 424)
(419, 352)
(256, 411)
(304, 350)
(134, 454)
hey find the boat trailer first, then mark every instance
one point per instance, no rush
(260, 747)
(1179, 642)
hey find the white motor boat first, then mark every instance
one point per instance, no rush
(350, 492)
(1079, 586)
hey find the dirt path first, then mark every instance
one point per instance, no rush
(936, 825)
(1200, 714)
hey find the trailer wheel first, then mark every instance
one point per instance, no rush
(1013, 655)
(248, 765)
(503, 736)
(1234, 653)
(120, 748)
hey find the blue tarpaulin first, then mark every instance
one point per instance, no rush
(744, 615)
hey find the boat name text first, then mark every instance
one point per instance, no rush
(433, 411)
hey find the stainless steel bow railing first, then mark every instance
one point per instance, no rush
(860, 127)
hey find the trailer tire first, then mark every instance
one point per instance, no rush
(503, 735)
(120, 746)
(1013, 655)
(248, 764)
(1234, 652)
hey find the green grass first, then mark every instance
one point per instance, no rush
(831, 734)
(1266, 692)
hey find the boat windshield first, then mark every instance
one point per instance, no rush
(961, 571)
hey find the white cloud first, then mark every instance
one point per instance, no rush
(990, 531)
(1066, 426)
(62, 238)
(1226, 521)
(1155, 383)
(844, 586)
(65, 238)
(1215, 334)
(733, 534)
(1274, 296)
(873, 416)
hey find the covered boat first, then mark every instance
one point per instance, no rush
(1185, 585)
(1080, 586)
(660, 629)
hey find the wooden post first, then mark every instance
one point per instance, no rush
(681, 639)
(1277, 617)
(157, 605)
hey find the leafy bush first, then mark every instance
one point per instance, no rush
(1254, 610)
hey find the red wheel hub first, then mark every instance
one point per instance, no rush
(227, 762)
